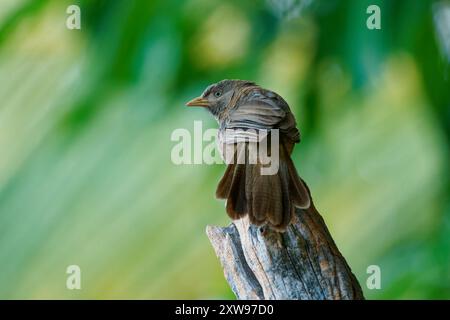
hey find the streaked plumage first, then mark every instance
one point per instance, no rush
(267, 199)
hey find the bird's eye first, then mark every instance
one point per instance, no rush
(218, 94)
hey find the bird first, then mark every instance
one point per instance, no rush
(242, 108)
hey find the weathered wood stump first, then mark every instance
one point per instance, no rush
(302, 263)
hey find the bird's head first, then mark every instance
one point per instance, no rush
(218, 97)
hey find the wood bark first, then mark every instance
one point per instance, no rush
(301, 263)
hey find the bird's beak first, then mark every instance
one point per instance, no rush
(198, 102)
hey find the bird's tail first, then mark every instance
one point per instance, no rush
(267, 199)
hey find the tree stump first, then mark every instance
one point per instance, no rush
(302, 263)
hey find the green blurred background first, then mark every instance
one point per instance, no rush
(86, 117)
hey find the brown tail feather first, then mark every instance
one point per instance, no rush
(223, 189)
(297, 189)
(286, 197)
(267, 199)
(236, 201)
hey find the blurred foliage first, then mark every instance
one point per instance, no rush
(86, 117)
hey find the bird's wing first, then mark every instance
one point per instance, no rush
(263, 110)
(257, 110)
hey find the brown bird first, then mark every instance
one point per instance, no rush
(242, 108)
